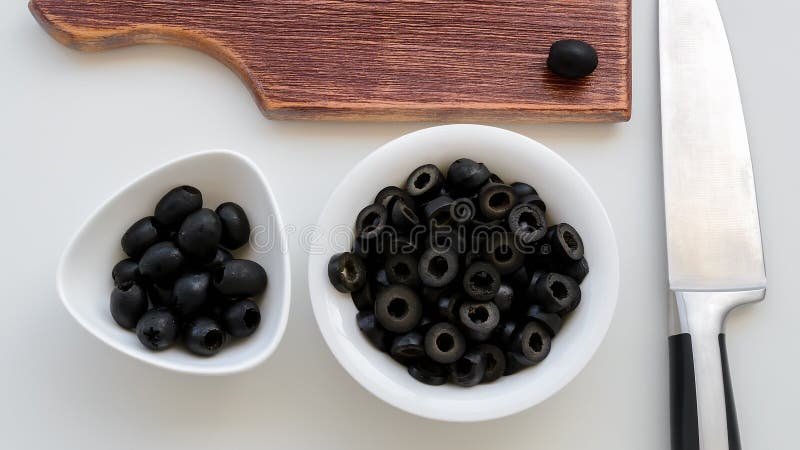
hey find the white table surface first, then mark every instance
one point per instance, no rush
(75, 127)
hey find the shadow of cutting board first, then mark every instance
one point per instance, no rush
(439, 60)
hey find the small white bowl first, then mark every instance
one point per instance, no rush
(84, 272)
(515, 158)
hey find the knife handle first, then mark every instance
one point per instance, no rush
(703, 413)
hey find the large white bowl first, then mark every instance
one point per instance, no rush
(84, 272)
(515, 158)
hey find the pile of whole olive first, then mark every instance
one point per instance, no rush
(460, 277)
(180, 263)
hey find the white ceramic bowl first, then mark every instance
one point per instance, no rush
(516, 158)
(84, 272)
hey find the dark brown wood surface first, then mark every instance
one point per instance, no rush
(441, 60)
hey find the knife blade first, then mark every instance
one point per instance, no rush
(714, 246)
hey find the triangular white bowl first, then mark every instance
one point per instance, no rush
(515, 158)
(84, 272)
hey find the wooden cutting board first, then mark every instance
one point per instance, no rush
(440, 60)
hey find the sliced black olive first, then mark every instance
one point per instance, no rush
(157, 329)
(571, 58)
(496, 201)
(347, 272)
(176, 205)
(235, 225)
(128, 304)
(481, 281)
(530, 290)
(504, 332)
(240, 278)
(521, 279)
(448, 306)
(199, 235)
(204, 336)
(467, 176)
(495, 362)
(550, 321)
(566, 242)
(468, 258)
(437, 211)
(430, 295)
(190, 292)
(403, 245)
(503, 253)
(402, 269)
(515, 362)
(556, 292)
(444, 343)
(469, 370)
(425, 182)
(125, 271)
(541, 258)
(532, 342)
(479, 319)
(463, 210)
(408, 346)
(390, 193)
(527, 222)
(535, 200)
(371, 222)
(142, 235)
(364, 299)
(438, 268)
(424, 324)
(428, 372)
(398, 308)
(448, 238)
(161, 261)
(371, 329)
(363, 248)
(403, 217)
(577, 270)
(504, 298)
(572, 306)
(523, 189)
(379, 281)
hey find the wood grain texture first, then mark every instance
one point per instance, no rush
(440, 60)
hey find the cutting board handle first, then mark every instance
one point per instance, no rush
(108, 31)
(103, 30)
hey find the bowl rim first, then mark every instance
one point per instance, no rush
(373, 386)
(227, 369)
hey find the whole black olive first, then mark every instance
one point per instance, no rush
(125, 271)
(190, 292)
(128, 304)
(176, 205)
(235, 225)
(571, 58)
(199, 235)
(139, 237)
(240, 278)
(161, 261)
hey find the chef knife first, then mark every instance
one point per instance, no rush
(714, 249)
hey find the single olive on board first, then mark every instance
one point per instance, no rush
(571, 58)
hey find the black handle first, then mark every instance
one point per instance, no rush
(683, 395)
